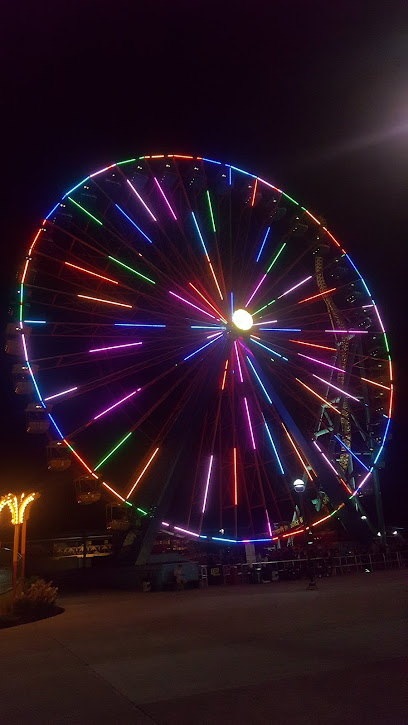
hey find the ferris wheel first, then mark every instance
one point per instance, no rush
(194, 335)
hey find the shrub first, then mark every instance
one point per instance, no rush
(36, 600)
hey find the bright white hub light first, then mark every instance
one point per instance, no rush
(242, 319)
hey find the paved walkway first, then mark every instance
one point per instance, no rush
(273, 654)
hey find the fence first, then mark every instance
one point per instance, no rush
(287, 569)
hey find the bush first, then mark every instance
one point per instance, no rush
(37, 600)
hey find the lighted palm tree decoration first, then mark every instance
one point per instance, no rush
(19, 506)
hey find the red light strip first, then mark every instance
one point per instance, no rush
(297, 452)
(208, 303)
(141, 474)
(225, 375)
(88, 271)
(254, 192)
(326, 402)
(311, 344)
(326, 292)
(107, 302)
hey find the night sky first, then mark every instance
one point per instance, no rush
(309, 95)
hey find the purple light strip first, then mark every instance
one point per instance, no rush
(238, 361)
(250, 424)
(117, 403)
(320, 362)
(207, 484)
(266, 322)
(255, 290)
(195, 306)
(268, 522)
(343, 392)
(141, 200)
(295, 286)
(164, 197)
(325, 458)
(184, 531)
(115, 347)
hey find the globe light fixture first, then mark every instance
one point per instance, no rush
(242, 319)
(299, 485)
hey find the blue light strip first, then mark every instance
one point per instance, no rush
(383, 441)
(274, 447)
(134, 224)
(263, 244)
(204, 346)
(253, 176)
(199, 233)
(210, 161)
(259, 381)
(279, 329)
(269, 349)
(354, 266)
(351, 453)
(55, 426)
(76, 187)
(131, 324)
(229, 176)
(232, 303)
(53, 209)
(35, 322)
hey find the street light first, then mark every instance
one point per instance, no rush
(299, 485)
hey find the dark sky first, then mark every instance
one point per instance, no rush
(310, 95)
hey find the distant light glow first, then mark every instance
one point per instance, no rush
(115, 405)
(242, 319)
(249, 424)
(63, 392)
(114, 347)
(165, 198)
(143, 472)
(107, 302)
(306, 279)
(207, 484)
(134, 224)
(141, 200)
(321, 294)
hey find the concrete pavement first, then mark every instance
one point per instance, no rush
(267, 654)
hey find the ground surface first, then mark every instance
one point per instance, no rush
(272, 654)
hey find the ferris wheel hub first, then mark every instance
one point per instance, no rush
(242, 319)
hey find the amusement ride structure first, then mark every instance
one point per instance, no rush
(194, 341)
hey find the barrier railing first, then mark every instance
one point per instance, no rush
(287, 569)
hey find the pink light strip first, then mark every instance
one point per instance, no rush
(268, 522)
(195, 306)
(366, 380)
(238, 361)
(250, 424)
(348, 332)
(343, 392)
(295, 286)
(165, 198)
(320, 362)
(186, 531)
(107, 302)
(63, 392)
(114, 347)
(117, 403)
(326, 459)
(255, 290)
(141, 200)
(266, 322)
(331, 237)
(207, 484)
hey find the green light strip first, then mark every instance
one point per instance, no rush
(276, 257)
(141, 511)
(125, 162)
(86, 212)
(290, 198)
(386, 342)
(21, 301)
(112, 451)
(139, 274)
(211, 211)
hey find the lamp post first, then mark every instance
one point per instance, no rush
(300, 487)
(19, 506)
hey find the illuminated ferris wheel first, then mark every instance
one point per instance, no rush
(193, 336)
